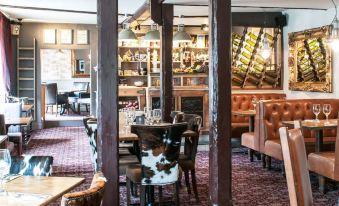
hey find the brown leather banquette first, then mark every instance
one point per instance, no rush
(275, 112)
(243, 101)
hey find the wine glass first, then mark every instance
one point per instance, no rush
(254, 102)
(157, 115)
(5, 165)
(150, 117)
(316, 110)
(146, 115)
(327, 110)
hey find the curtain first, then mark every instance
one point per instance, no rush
(5, 54)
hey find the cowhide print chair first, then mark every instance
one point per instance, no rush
(160, 149)
(187, 159)
(90, 197)
(90, 124)
(32, 165)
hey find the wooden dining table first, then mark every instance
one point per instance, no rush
(247, 113)
(37, 191)
(21, 121)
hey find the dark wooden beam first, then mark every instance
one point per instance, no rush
(108, 98)
(156, 10)
(166, 81)
(220, 166)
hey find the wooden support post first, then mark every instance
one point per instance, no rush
(220, 171)
(166, 85)
(108, 157)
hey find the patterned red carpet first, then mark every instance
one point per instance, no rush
(252, 185)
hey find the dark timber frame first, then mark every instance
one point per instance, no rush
(220, 184)
(108, 157)
(220, 24)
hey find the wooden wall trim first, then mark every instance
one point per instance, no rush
(166, 84)
(220, 164)
(108, 157)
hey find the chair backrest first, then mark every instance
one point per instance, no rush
(160, 149)
(92, 196)
(91, 131)
(11, 110)
(194, 123)
(81, 86)
(296, 167)
(51, 93)
(32, 165)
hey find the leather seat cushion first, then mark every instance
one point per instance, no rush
(322, 163)
(248, 140)
(133, 172)
(273, 149)
(185, 163)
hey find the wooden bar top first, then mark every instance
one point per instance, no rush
(19, 121)
(27, 107)
(37, 191)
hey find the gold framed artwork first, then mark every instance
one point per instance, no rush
(310, 60)
(49, 36)
(66, 36)
(82, 36)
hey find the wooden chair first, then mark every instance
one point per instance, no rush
(160, 149)
(297, 174)
(15, 138)
(93, 196)
(32, 165)
(187, 159)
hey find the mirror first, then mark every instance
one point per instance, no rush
(309, 61)
(81, 60)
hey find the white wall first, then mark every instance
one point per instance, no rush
(298, 20)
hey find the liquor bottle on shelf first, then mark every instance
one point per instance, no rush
(259, 60)
(250, 42)
(271, 74)
(270, 80)
(242, 67)
(249, 49)
(246, 54)
(253, 80)
(258, 67)
(253, 36)
(269, 37)
(308, 77)
(244, 61)
(236, 81)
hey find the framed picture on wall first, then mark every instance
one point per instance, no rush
(49, 36)
(66, 36)
(82, 36)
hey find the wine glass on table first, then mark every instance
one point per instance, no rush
(316, 111)
(327, 108)
(157, 115)
(5, 165)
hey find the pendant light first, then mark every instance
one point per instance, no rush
(127, 34)
(181, 36)
(153, 35)
(266, 50)
(334, 35)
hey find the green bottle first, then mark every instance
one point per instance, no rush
(253, 36)
(244, 61)
(246, 54)
(252, 43)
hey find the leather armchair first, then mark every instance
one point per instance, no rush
(93, 196)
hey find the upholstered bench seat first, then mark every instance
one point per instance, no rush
(273, 147)
(248, 140)
(322, 163)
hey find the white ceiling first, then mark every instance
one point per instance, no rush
(130, 6)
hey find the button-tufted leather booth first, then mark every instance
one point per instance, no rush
(273, 113)
(244, 102)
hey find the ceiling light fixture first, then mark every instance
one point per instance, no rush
(153, 35)
(334, 34)
(127, 34)
(181, 36)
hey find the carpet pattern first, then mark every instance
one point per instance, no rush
(252, 185)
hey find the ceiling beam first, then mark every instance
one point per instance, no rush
(156, 11)
(56, 10)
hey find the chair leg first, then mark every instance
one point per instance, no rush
(263, 159)
(187, 181)
(194, 183)
(128, 188)
(177, 199)
(142, 195)
(322, 184)
(251, 154)
(160, 195)
(268, 162)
